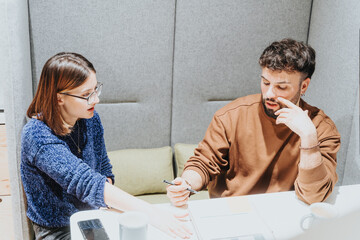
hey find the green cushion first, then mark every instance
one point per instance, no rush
(142, 171)
(182, 153)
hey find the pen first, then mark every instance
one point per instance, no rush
(189, 189)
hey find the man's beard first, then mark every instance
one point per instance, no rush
(271, 112)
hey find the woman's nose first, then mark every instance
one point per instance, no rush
(97, 99)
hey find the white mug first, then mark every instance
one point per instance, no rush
(319, 212)
(133, 225)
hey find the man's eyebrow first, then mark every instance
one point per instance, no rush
(283, 82)
(264, 77)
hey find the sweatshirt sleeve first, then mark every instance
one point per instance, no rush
(211, 155)
(316, 184)
(71, 173)
(106, 167)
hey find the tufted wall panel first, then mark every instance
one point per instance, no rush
(217, 47)
(334, 34)
(351, 174)
(130, 44)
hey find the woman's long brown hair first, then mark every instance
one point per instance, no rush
(62, 72)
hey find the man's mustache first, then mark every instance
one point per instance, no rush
(272, 100)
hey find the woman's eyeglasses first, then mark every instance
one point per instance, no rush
(92, 97)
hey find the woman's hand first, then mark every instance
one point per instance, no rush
(168, 223)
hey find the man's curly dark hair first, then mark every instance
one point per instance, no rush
(289, 55)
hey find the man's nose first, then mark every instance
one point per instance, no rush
(270, 93)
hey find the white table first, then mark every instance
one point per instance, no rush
(109, 220)
(283, 211)
(280, 212)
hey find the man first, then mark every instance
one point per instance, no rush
(270, 142)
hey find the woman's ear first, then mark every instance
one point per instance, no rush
(60, 99)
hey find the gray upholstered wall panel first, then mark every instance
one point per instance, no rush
(334, 33)
(352, 166)
(15, 75)
(217, 47)
(130, 44)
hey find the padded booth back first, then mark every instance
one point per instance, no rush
(168, 65)
(130, 44)
(334, 34)
(216, 52)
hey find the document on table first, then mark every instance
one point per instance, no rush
(227, 219)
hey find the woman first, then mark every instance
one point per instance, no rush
(64, 164)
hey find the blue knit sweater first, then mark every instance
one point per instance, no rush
(58, 181)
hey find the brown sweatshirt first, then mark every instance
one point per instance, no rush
(245, 152)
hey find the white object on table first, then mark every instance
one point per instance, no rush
(110, 221)
(279, 213)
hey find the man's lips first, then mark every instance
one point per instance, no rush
(271, 104)
(91, 109)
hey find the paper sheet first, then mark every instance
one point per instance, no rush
(239, 204)
(227, 219)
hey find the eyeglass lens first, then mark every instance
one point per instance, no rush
(92, 96)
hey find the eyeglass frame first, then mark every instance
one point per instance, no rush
(99, 86)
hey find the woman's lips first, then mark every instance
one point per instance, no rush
(91, 109)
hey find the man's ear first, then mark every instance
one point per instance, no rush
(60, 99)
(304, 85)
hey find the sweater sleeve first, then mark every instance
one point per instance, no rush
(211, 155)
(106, 167)
(71, 173)
(316, 184)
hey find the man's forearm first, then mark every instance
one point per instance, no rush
(315, 181)
(310, 155)
(193, 178)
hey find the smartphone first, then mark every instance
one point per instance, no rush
(93, 229)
